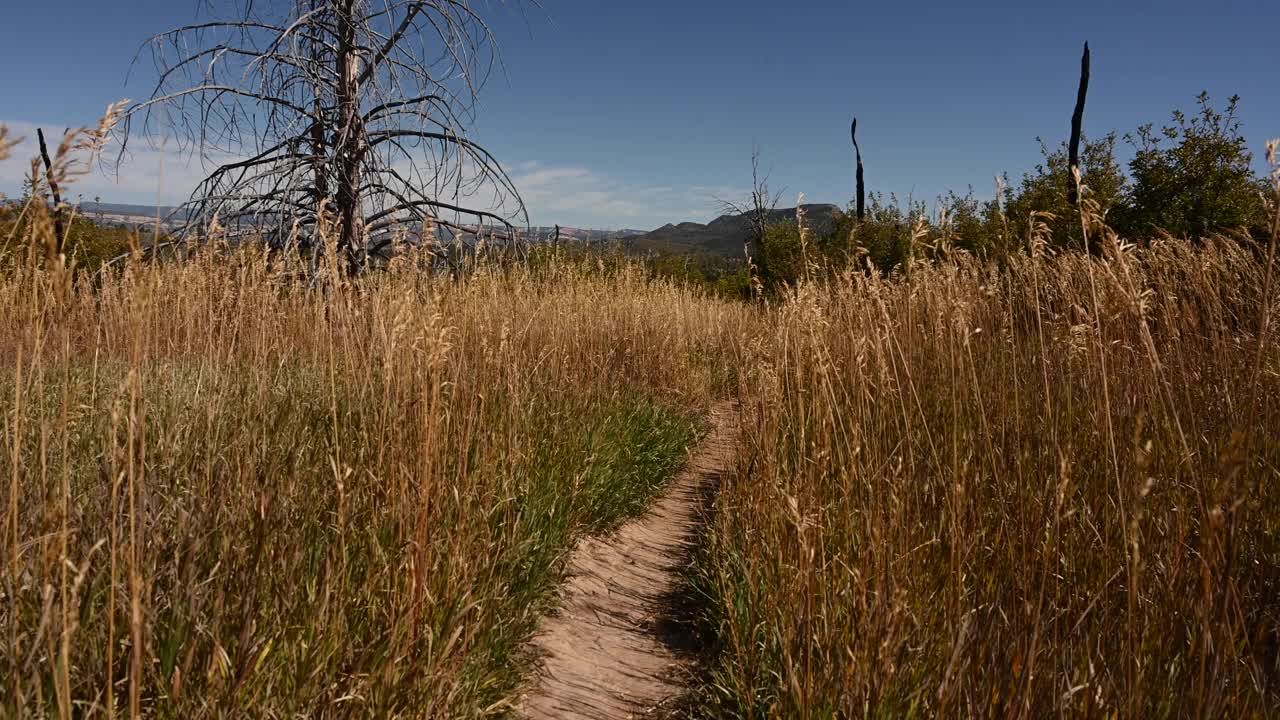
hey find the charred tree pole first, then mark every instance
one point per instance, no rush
(53, 188)
(861, 188)
(1077, 119)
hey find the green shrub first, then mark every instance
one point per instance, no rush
(1044, 190)
(884, 235)
(781, 257)
(1193, 177)
(88, 244)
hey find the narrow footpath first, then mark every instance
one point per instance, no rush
(608, 653)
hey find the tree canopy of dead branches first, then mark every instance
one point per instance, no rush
(348, 116)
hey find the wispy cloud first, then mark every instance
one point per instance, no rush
(567, 195)
(589, 198)
(148, 175)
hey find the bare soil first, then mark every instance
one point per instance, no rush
(614, 649)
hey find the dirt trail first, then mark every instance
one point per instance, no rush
(608, 652)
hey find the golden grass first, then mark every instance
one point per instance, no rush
(229, 492)
(1046, 490)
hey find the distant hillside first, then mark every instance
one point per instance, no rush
(126, 210)
(579, 234)
(536, 234)
(720, 237)
(725, 234)
(116, 211)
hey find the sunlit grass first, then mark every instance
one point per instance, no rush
(1042, 490)
(227, 491)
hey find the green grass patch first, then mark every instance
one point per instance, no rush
(304, 541)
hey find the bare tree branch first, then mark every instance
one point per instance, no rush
(349, 108)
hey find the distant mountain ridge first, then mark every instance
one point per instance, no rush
(574, 234)
(723, 236)
(726, 234)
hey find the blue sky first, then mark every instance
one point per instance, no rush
(613, 113)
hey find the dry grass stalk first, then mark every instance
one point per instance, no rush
(231, 491)
(1013, 493)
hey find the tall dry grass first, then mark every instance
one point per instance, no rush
(1047, 490)
(231, 493)
(1041, 489)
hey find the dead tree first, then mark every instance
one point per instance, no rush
(759, 212)
(762, 203)
(1077, 120)
(343, 114)
(861, 188)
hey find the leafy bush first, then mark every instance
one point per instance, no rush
(1190, 179)
(723, 277)
(781, 257)
(88, 244)
(1193, 177)
(1045, 190)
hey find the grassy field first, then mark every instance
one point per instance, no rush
(227, 493)
(1047, 490)
(1039, 486)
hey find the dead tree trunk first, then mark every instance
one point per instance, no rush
(56, 249)
(1077, 120)
(350, 140)
(861, 188)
